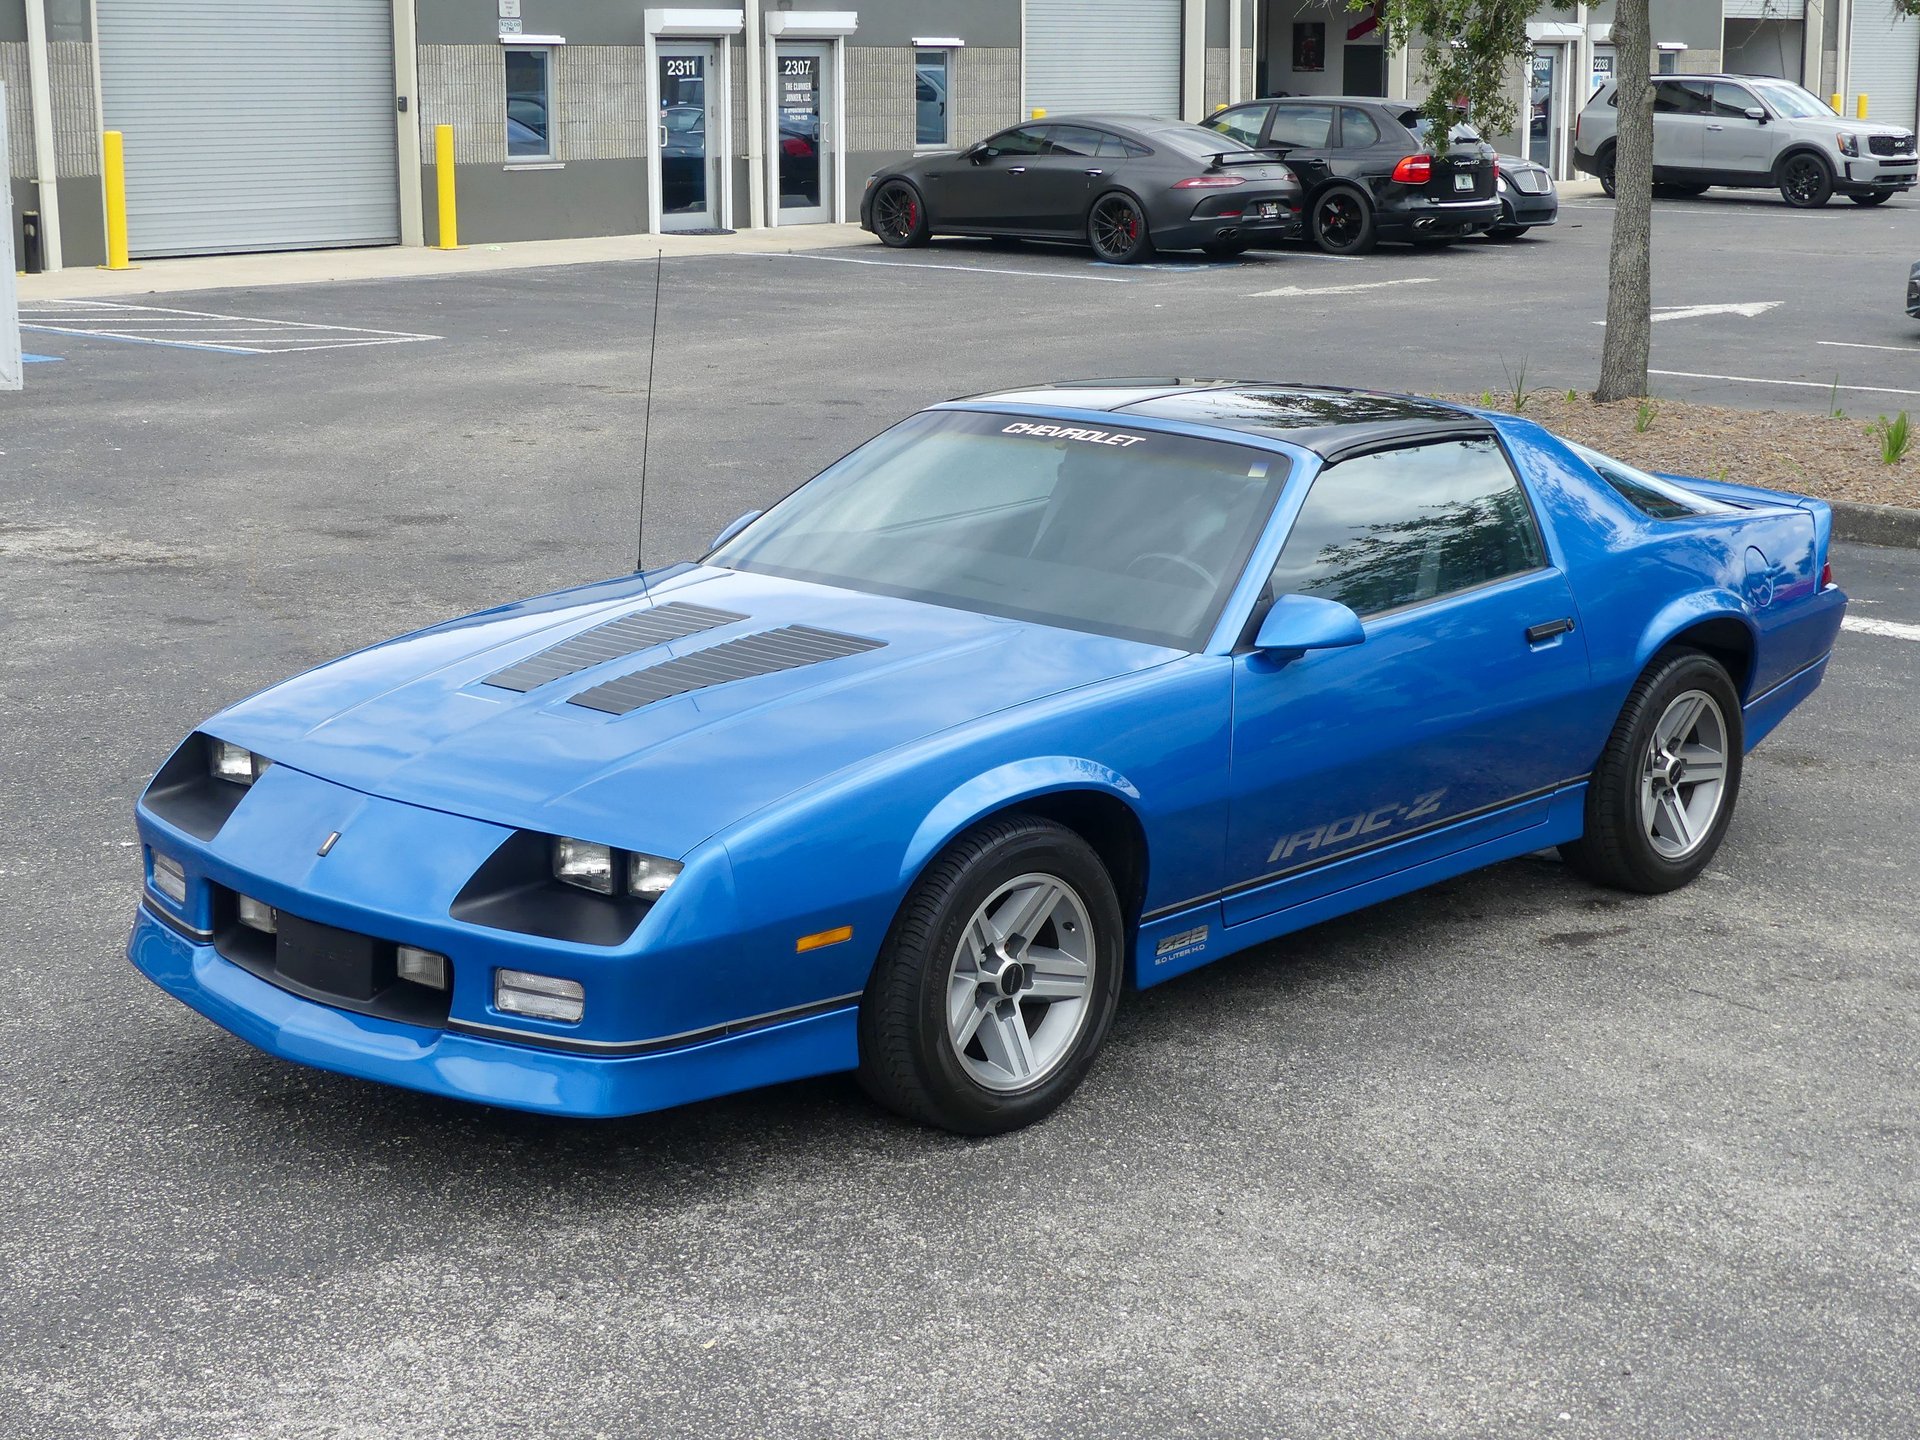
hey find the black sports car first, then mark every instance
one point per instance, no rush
(1369, 174)
(1124, 184)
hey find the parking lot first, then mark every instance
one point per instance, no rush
(1514, 1156)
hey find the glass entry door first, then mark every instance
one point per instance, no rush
(803, 114)
(1547, 110)
(689, 141)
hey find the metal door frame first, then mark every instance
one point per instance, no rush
(710, 50)
(833, 113)
(714, 27)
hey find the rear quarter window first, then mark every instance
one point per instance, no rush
(1653, 497)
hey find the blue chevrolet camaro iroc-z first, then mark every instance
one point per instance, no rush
(1032, 695)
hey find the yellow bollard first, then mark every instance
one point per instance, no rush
(113, 166)
(1037, 115)
(1860, 107)
(443, 168)
(1834, 101)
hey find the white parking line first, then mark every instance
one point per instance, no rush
(1293, 290)
(1858, 345)
(1797, 384)
(1891, 628)
(189, 330)
(970, 269)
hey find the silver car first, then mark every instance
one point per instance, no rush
(1754, 132)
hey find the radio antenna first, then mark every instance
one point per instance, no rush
(646, 432)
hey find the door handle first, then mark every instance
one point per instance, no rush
(1540, 634)
(1096, 174)
(1016, 169)
(1716, 127)
(663, 137)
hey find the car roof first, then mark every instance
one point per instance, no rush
(1330, 420)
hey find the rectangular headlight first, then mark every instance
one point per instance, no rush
(648, 876)
(233, 762)
(544, 997)
(422, 967)
(256, 914)
(582, 863)
(169, 877)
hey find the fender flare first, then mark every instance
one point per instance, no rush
(1803, 147)
(1685, 613)
(998, 789)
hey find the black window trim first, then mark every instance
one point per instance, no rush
(1360, 451)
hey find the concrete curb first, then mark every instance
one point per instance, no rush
(1876, 524)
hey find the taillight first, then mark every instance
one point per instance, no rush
(1826, 575)
(1496, 169)
(795, 147)
(1210, 182)
(1414, 170)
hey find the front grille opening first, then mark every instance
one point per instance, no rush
(336, 967)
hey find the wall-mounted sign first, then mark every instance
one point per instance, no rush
(510, 27)
(509, 9)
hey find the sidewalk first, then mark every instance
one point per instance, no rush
(387, 262)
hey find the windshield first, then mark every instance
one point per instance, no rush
(1088, 526)
(1793, 102)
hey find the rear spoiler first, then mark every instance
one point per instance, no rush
(1220, 159)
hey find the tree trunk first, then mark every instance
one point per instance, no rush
(1623, 362)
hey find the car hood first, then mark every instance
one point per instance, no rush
(415, 720)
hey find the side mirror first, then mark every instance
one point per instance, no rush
(980, 154)
(734, 528)
(1306, 622)
(1754, 112)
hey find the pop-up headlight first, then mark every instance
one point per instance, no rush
(599, 867)
(233, 762)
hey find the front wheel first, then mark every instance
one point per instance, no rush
(1806, 181)
(1341, 223)
(1659, 801)
(1117, 230)
(997, 982)
(899, 219)
(1876, 197)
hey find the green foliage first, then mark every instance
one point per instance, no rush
(1833, 399)
(1517, 390)
(1573, 396)
(1469, 51)
(1643, 417)
(1894, 437)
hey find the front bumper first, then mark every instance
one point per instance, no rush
(1870, 173)
(1518, 207)
(470, 1067)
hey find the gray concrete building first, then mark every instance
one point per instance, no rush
(280, 124)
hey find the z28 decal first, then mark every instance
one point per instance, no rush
(1352, 827)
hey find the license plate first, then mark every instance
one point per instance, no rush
(1462, 181)
(1267, 210)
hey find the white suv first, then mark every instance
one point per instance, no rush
(1755, 132)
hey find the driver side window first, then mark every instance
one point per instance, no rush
(1401, 527)
(1027, 140)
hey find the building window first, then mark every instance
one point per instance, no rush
(529, 104)
(932, 110)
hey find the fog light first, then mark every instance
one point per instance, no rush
(582, 863)
(169, 877)
(257, 915)
(545, 997)
(422, 967)
(236, 763)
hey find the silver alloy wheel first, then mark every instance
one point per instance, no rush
(1020, 988)
(1683, 779)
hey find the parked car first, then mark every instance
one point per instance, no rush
(1368, 175)
(1913, 291)
(1125, 185)
(1752, 132)
(1034, 695)
(1528, 199)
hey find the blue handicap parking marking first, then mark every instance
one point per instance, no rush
(39, 359)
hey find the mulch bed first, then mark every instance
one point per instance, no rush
(1833, 457)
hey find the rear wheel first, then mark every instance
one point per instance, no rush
(1806, 181)
(1659, 801)
(1117, 230)
(1341, 223)
(997, 982)
(1876, 197)
(1605, 175)
(899, 219)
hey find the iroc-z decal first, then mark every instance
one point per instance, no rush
(1178, 947)
(1352, 827)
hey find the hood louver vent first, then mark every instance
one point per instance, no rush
(767, 653)
(626, 636)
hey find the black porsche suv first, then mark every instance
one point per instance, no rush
(1368, 171)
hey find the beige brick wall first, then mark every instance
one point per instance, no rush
(599, 101)
(76, 145)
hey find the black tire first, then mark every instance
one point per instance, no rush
(1340, 222)
(1605, 173)
(1117, 229)
(908, 1059)
(1806, 181)
(1618, 848)
(899, 216)
(1226, 249)
(1874, 197)
(1507, 232)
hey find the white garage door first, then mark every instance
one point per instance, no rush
(1886, 63)
(253, 124)
(1120, 56)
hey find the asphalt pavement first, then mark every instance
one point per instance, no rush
(1514, 1156)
